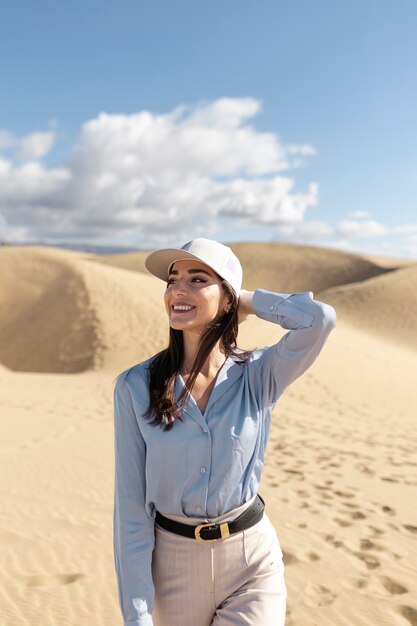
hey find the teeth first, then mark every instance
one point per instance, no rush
(181, 307)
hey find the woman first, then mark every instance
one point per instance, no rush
(193, 546)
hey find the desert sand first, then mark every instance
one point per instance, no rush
(340, 478)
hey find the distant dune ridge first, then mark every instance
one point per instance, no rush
(385, 305)
(63, 311)
(340, 470)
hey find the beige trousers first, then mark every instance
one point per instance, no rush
(235, 581)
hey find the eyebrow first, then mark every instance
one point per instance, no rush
(191, 271)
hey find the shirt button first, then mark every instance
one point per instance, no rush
(271, 308)
(198, 508)
(203, 470)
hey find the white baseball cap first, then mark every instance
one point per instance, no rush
(218, 257)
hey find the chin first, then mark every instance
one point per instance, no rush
(177, 324)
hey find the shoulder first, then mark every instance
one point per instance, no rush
(134, 376)
(251, 360)
(256, 359)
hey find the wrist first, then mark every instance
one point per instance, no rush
(245, 304)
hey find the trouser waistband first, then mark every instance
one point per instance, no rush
(215, 529)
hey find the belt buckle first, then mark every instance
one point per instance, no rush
(224, 529)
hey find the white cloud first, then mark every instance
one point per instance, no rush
(307, 231)
(153, 179)
(263, 201)
(367, 237)
(30, 147)
(27, 186)
(361, 229)
(160, 176)
(35, 146)
(405, 229)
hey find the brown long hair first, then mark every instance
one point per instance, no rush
(163, 410)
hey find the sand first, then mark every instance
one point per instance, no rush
(340, 477)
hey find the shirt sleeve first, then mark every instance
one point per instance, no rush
(133, 530)
(309, 323)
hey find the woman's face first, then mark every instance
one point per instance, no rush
(194, 296)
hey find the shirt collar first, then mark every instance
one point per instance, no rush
(231, 370)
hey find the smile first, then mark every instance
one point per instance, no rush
(182, 308)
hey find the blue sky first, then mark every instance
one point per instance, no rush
(327, 91)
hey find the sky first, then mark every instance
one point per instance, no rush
(146, 124)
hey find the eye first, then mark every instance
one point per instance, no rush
(170, 281)
(196, 279)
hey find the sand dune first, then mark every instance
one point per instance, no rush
(46, 322)
(340, 474)
(288, 267)
(71, 314)
(386, 305)
(130, 315)
(285, 267)
(134, 261)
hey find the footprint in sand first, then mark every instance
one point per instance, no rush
(342, 522)
(409, 613)
(388, 510)
(309, 557)
(289, 558)
(325, 502)
(317, 595)
(350, 505)
(326, 496)
(296, 473)
(391, 586)
(344, 494)
(364, 469)
(357, 583)
(410, 528)
(367, 544)
(390, 479)
(358, 515)
(336, 543)
(370, 560)
(40, 580)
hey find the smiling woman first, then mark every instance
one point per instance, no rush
(195, 296)
(193, 544)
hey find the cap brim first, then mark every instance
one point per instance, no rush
(159, 262)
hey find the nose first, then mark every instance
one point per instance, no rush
(179, 287)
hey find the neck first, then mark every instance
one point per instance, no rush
(213, 362)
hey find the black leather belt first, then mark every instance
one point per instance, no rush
(211, 532)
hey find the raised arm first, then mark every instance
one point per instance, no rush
(309, 323)
(133, 528)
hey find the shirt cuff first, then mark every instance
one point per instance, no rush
(290, 311)
(143, 621)
(266, 302)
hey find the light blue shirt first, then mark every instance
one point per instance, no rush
(206, 465)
